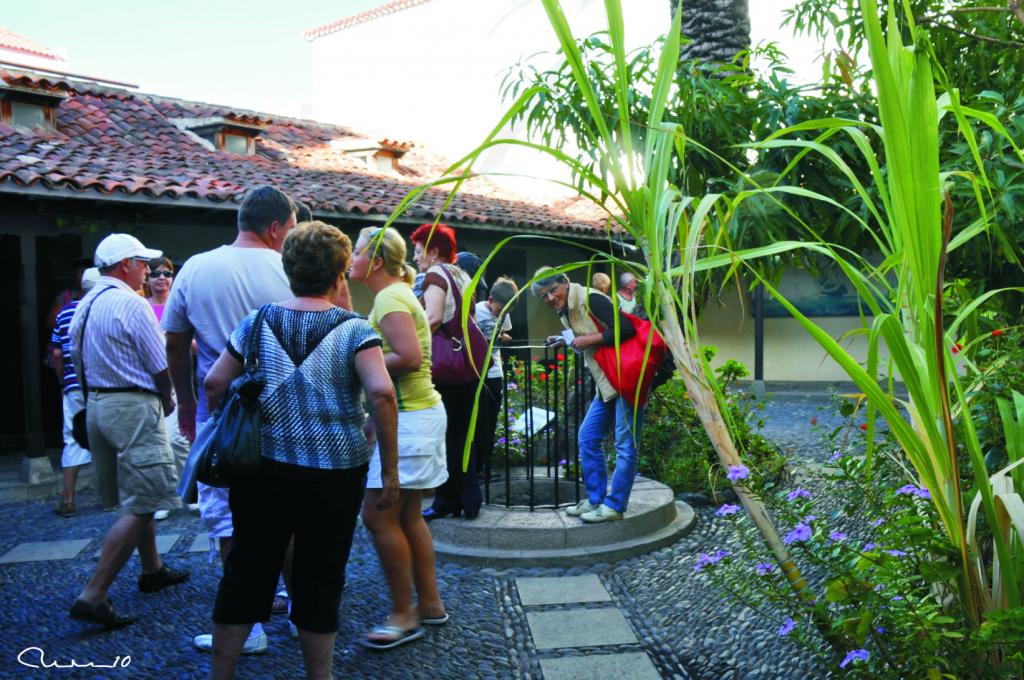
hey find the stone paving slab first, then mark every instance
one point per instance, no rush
(201, 543)
(164, 543)
(40, 551)
(579, 628)
(631, 666)
(561, 590)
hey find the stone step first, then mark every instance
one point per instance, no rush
(651, 508)
(508, 555)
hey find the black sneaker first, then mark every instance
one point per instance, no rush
(150, 583)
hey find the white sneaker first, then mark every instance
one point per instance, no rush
(257, 644)
(192, 507)
(294, 630)
(602, 514)
(161, 514)
(580, 508)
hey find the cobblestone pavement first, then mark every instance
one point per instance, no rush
(676, 618)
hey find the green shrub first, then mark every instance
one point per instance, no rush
(676, 451)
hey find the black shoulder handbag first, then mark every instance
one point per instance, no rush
(79, 431)
(230, 450)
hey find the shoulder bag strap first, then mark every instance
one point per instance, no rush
(252, 350)
(85, 322)
(456, 320)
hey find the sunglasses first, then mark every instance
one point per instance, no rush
(161, 273)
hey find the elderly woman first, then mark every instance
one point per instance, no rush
(435, 256)
(319, 360)
(590, 316)
(402, 539)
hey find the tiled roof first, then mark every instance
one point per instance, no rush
(12, 41)
(114, 141)
(361, 18)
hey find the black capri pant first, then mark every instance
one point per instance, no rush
(266, 513)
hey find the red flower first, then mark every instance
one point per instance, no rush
(864, 426)
(814, 420)
(997, 332)
(543, 376)
(955, 349)
(561, 357)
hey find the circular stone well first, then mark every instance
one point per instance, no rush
(518, 536)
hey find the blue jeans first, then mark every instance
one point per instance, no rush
(600, 419)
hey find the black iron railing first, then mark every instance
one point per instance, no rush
(545, 394)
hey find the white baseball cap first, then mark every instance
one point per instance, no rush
(117, 247)
(89, 278)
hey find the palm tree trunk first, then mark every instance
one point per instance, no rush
(716, 29)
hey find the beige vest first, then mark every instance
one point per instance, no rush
(580, 323)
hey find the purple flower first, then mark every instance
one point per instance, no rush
(836, 455)
(896, 553)
(800, 533)
(855, 655)
(877, 522)
(787, 627)
(705, 560)
(797, 493)
(837, 536)
(726, 510)
(563, 462)
(513, 386)
(501, 440)
(764, 568)
(869, 547)
(897, 598)
(913, 490)
(880, 630)
(810, 518)
(738, 472)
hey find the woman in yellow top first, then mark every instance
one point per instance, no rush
(399, 532)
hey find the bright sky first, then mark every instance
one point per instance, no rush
(249, 55)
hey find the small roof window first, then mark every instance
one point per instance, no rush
(30, 109)
(224, 133)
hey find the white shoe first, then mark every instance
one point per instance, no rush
(192, 507)
(293, 629)
(580, 508)
(602, 514)
(257, 644)
(161, 514)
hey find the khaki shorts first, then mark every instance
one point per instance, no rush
(131, 452)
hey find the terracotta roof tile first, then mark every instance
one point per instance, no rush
(361, 18)
(109, 140)
(19, 43)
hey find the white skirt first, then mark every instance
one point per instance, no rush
(421, 452)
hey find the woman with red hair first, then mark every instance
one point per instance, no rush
(435, 255)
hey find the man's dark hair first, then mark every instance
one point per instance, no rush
(263, 206)
(302, 213)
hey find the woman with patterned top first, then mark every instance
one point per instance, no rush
(435, 255)
(318, 359)
(402, 539)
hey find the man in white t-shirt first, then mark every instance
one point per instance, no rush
(212, 293)
(491, 314)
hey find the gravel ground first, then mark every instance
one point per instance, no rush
(684, 623)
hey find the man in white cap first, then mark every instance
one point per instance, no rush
(120, 358)
(74, 457)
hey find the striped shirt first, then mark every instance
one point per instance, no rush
(61, 338)
(124, 345)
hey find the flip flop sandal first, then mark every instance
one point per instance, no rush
(436, 620)
(280, 605)
(394, 637)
